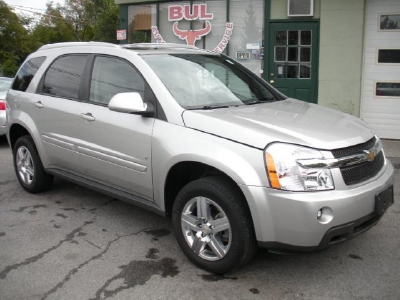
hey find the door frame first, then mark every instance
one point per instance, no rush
(267, 54)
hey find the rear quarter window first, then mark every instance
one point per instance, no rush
(26, 73)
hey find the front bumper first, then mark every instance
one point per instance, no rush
(288, 220)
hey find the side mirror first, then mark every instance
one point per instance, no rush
(130, 103)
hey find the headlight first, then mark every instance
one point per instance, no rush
(285, 173)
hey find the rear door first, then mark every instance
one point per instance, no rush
(54, 108)
(115, 148)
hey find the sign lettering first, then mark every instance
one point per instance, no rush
(180, 12)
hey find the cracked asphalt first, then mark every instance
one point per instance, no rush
(73, 243)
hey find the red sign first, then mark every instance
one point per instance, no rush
(195, 12)
(180, 12)
(191, 36)
(121, 35)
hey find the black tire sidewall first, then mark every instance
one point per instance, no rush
(221, 193)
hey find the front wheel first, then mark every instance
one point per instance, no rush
(28, 166)
(212, 225)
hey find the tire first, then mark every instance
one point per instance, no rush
(28, 166)
(221, 236)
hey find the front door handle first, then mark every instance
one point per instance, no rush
(39, 104)
(88, 117)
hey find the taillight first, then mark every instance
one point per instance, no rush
(2, 105)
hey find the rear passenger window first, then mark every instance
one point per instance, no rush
(26, 73)
(63, 78)
(112, 76)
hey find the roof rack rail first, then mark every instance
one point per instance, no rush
(76, 44)
(155, 46)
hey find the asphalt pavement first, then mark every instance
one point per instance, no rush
(73, 243)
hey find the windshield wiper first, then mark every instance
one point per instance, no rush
(208, 107)
(264, 100)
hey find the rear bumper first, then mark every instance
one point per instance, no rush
(287, 221)
(2, 123)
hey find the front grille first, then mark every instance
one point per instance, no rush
(354, 149)
(363, 171)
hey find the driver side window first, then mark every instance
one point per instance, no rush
(111, 76)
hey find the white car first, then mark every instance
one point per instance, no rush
(5, 84)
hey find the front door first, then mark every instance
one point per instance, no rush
(114, 147)
(292, 64)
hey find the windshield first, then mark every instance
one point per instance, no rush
(209, 81)
(5, 84)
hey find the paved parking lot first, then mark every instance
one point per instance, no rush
(73, 243)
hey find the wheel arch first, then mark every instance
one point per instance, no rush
(185, 172)
(15, 132)
(26, 126)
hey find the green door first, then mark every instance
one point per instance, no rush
(293, 56)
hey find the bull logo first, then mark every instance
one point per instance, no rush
(191, 36)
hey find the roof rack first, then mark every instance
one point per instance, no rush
(155, 46)
(76, 44)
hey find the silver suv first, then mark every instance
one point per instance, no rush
(194, 135)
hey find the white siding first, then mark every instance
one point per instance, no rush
(381, 113)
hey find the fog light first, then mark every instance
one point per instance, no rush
(325, 215)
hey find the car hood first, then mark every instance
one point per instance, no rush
(290, 120)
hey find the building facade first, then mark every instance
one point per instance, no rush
(340, 54)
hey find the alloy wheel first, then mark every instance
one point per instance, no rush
(25, 166)
(206, 228)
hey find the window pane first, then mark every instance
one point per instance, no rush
(280, 38)
(248, 21)
(306, 37)
(26, 73)
(391, 89)
(305, 54)
(140, 19)
(64, 76)
(293, 54)
(280, 53)
(305, 71)
(293, 38)
(292, 71)
(111, 76)
(218, 26)
(390, 22)
(389, 56)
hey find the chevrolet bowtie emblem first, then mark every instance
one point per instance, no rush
(370, 155)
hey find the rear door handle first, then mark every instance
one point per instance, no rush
(88, 117)
(39, 104)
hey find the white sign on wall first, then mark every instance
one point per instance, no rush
(121, 35)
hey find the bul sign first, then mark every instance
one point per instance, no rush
(178, 13)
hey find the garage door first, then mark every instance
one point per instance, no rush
(380, 103)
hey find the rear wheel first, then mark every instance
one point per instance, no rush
(212, 224)
(28, 166)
